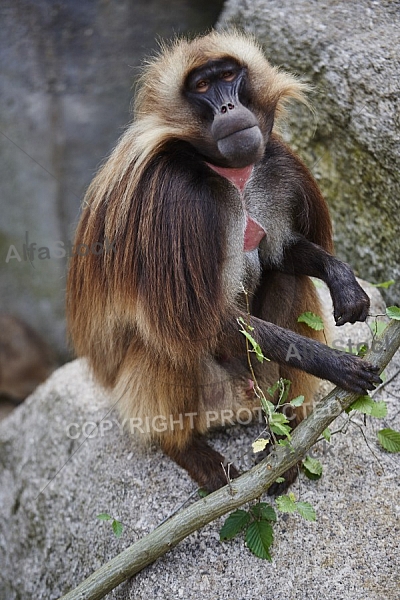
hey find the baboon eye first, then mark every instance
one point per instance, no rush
(228, 76)
(202, 85)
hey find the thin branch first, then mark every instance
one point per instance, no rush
(178, 508)
(244, 489)
(361, 429)
(384, 384)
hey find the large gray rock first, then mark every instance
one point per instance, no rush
(64, 459)
(67, 70)
(350, 53)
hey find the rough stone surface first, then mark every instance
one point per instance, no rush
(64, 459)
(67, 70)
(350, 53)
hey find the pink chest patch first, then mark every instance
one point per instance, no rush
(239, 177)
(254, 233)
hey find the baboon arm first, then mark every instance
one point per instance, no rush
(289, 348)
(350, 302)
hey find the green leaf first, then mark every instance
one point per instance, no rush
(286, 443)
(262, 510)
(312, 320)
(393, 312)
(362, 404)
(379, 410)
(281, 429)
(117, 528)
(234, 524)
(384, 284)
(377, 327)
(278, 418)
(306, 511)
(327, 434)
(298, 401)
(284, 386)
(255, 346)
(313, 465)
(247, 325)
(202, 492)
(104, 517)
(271, 391)
(279, 480)
(267, 406)
(389, 439)
(362, 351)
(312, 468)
(367, 406)
(286, 504)
(259, 539)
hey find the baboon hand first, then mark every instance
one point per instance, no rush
(350, 303)
(353, 374)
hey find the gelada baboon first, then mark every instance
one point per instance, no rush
(202, 199)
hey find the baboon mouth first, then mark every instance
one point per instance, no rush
(237, 131)
(242, 147)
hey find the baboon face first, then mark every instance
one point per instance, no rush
(219, 94)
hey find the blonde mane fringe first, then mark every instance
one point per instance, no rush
(155, 120)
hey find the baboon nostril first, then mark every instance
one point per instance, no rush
(225, 107)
